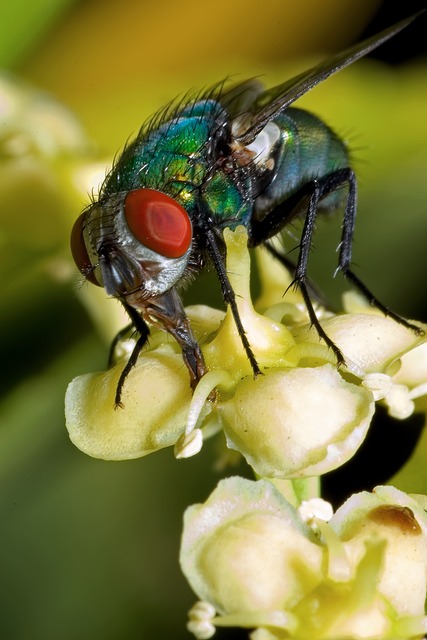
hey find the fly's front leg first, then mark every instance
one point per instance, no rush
(168, 313)
(133, 358)
(229, 296)
(143, 330)
(117, 338)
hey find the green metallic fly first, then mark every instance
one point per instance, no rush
(229, 157)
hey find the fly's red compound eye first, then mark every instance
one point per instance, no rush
(79, 252)
(158, 222)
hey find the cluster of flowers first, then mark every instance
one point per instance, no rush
(270, 555)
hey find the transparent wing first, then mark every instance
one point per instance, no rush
(267, 105)
(241, 98)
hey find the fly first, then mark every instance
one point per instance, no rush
(229, 157)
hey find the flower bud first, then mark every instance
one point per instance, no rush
(297, 422)
(247, 549)
(156, 399)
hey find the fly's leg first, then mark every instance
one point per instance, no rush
(290, 266)
(300, 279)
(229, 295)
(127, 369)
(345, 258)
(167, 312)
(306, 202)
(119, 336)
(143, 330)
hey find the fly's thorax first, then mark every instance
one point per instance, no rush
(119, 260)
(227, 198)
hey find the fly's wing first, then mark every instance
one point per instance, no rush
(269, 104)
(242, 97)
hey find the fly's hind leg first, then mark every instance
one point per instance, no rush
(344, 265)
(306, 202)
(315, 293)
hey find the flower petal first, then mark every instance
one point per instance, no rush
(156, 399)
(392, 515)
(370, 342)
(245, 549)
(297, 422)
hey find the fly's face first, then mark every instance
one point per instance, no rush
(134, 244)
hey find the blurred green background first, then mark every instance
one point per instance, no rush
(88, 549)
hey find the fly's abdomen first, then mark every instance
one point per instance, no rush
(308, 149)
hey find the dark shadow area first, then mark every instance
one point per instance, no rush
(386, 448)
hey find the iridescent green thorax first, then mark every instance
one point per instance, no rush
(176, 158)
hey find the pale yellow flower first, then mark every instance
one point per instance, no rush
(302, 417)
(257, 562)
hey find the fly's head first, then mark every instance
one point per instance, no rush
(135, 244)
